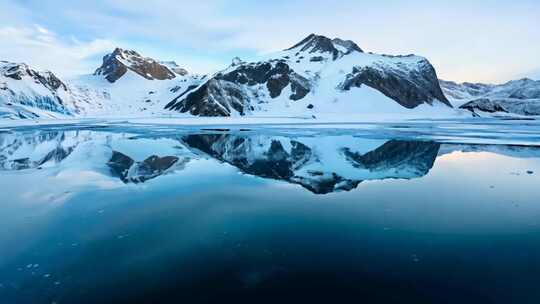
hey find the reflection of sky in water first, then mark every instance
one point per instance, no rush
(208, 225)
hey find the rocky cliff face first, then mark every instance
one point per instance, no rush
(317, 68)
(521, 97)
(525, 107)
(116, 64)
(224, 94)
(409, 87)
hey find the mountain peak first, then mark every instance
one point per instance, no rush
(28, 93)
(321, 44)
(117, 63)
(18, 71)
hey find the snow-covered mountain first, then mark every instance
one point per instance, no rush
(520, 97)
(119, 62)
(28, 93)
(317, 75)
(126, 84)
(129, 84)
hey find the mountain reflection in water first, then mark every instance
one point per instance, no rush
(320, 167)
(125, 216)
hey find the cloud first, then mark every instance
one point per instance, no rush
(42, 49)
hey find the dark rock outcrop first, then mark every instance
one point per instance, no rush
(225, 92)
(484, 105)
(321, 44)
(213, 98)
(116, 64)
(526, 107)
(410, 88)
(276, 75)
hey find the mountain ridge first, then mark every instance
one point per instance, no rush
(116, 64)
(297, 72)
(316, 76)
(521, 97)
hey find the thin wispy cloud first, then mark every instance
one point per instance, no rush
(43, 49)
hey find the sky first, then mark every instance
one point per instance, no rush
(475, 41)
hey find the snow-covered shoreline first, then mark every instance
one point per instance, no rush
(442, 129)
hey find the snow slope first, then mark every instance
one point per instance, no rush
(26, 93)
(317, 76)
(131, 95)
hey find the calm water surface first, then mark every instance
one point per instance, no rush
(97, 216)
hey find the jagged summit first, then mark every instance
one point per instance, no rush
(317, 75)
(18, 71)
(321, 44)
(116, 64)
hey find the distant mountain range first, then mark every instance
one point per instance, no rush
(317, 76)
(514, 97)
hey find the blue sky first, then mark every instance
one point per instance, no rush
(483, 40)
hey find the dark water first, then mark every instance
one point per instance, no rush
(196, 217)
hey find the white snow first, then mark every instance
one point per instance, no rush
(326, 99)
(131, 95)
(134, 97)
(517, 97)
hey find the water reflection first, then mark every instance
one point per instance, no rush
(337, 166)
(98, 216)
(320, 165)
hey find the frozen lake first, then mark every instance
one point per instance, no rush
(146, 212)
